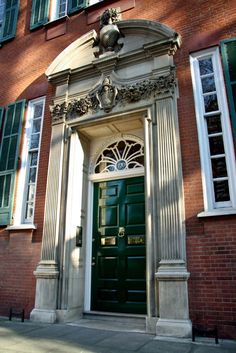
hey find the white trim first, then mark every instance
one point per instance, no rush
(22, 227)
(93, 2)
(117, 175)
(208, 192)
(217, 212)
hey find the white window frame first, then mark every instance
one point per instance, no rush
(211, 207)
(19, 217)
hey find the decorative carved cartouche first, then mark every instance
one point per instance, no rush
(106, 95)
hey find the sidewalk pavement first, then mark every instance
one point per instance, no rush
(28, 337)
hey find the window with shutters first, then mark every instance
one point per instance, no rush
(44, 11)
(9, 153)
(214, 132)
(29, 162)
(9, 10)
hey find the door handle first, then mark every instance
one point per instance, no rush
(121, 232)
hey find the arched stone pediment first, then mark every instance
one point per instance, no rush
(137, 36)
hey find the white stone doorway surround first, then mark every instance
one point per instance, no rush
(140, 79)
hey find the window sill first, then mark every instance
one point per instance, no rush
(56, 21)
(217, 212)
(22, 227)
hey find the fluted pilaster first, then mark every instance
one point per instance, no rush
(47, 271)
(171, 273)
(53, 195)
(169, 182)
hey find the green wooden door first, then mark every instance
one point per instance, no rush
(118, 259)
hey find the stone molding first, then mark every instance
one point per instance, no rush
(172, 275)
(125, 94)
(47, 270)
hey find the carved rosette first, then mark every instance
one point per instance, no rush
(107, 95)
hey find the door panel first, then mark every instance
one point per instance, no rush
(118, 264)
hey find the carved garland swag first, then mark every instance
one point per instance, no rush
(107, 96)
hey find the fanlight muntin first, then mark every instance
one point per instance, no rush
(122, 158)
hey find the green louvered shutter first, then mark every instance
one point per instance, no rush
(8, 30)
(75, 5)
(39, 14)
(228, 50)
(8, 158)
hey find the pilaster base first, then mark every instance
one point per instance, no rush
(46, 292)
(69, 315)
(151, 323)
(174, 328)
(45, 316)
(173, 301)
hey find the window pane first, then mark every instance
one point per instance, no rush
(29, 211)
(34, 159)
(36, 125)
(34, 143)
(216, 145)
(31, 192)
(208, 84)
(210, 102)
(32, 175)
(205, 66)
(38, 110)
(62, 10)
(221, 189)
(219, 169)
(213, 124)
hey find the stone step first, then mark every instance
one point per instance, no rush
(113, 321)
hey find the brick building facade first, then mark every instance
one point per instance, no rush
(170, 75)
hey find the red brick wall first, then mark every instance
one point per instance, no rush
(18, 259)
(211, 242)
(212, 264)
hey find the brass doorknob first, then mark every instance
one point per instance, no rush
(121, 232)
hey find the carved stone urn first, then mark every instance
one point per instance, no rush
(109, 33)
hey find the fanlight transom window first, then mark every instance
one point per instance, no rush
(122, 155)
